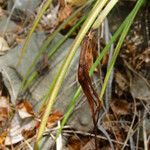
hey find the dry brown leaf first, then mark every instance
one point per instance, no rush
(3, 114)
(62, 3)
(122, 83)
(76, 143)
(65, 12)
(104, 145)
(19, 40)
(55, 116)
(5, 110)
(120, 107)
(142, 59)
(112, 125)
(15, 132)
(146, 55)
(107, 121)
(76, 2)
(2, 137)
(89, 145)
(28, 133)
(120, 135)
(25, 109)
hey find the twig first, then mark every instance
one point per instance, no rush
(130, 132)
(92, 135)
(107, 136)
(144, 134)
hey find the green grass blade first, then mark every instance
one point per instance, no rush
(69, 110)
(104, 13)
(104, 52)
(45, 45)
(120, 42)
(36, 21)
(77, 94)
(63, 69)
(34, 75)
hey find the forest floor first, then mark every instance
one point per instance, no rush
(124, 122)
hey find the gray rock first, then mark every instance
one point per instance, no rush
(11, 26)
(23, 5)
(12, 75)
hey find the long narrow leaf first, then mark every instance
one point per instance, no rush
(44, 46)
(77, 94)
(36, 21)
(34, 75)
(104, 52)
(61, 73)
(120, 42)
